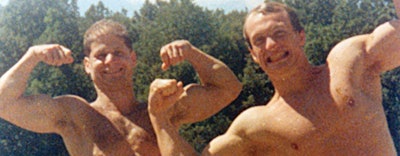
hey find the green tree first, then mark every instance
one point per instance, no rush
(343, 19)
(93, 14)
(160, 24)
(211, 31)
(26, 22)
(391, 103)
(97, 12)
(23, 24)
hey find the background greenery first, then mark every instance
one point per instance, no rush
(24, 23)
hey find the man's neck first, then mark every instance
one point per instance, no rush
(296, 81)
(122, 100)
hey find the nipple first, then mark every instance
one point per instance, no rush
(294, 146)
(351, 102)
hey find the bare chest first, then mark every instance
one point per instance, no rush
(133, 131)
(323, 122)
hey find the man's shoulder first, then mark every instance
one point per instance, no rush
(255, 124)
(71, 99)
(348, 49)
(249, 117)
(72, 103)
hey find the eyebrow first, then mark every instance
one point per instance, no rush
(279, 26)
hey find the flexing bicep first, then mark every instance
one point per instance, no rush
(228, 145)
(371, 53)
(219, 86)
(199, 102)
(38, 113)
(383, 46)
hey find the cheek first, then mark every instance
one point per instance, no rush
(257, 55)
(96, 67)
(131, 63)
(254, 57)
(294, 41)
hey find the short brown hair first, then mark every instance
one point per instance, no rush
(274, 7)
(104, 27)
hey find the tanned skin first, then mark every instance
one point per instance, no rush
(331, 109)
(115, 124)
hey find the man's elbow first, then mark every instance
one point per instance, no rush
(3, 98)
(233, 90)
(237, 89)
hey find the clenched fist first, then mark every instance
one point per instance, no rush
(174, 53)
(52, 54)
(164, 93)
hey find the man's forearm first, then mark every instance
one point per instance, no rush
(13, 82)
(211, 70)
(169, 140)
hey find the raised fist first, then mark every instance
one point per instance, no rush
(52, 54)
(174, 53)
(163, 94)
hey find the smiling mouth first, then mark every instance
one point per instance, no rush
(278, 57)
(113, 71)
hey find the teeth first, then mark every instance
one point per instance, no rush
(277, 57)
(108, 71)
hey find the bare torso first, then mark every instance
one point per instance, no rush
(103, 132)
(335, 116)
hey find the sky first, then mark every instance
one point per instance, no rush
(134, 5)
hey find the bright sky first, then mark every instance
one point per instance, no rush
(3, 2)
(134, 5)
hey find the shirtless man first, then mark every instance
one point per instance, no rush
(115, 123)
(332, 109)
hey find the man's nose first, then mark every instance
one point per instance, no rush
(110, 58)
(270, 44)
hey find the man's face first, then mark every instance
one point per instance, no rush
(110, 61)
(276, 46)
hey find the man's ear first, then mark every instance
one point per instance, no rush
(253, 55)
(302, 36)
(133, 57)
(86, 63)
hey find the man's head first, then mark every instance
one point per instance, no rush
(102, 28)
(274, 42)
(273, 7)
(109, 56)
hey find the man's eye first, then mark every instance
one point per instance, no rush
(280, 34)
(259, 40)
(118, 53)
(101, 56)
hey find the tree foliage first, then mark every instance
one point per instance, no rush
(24, 23)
